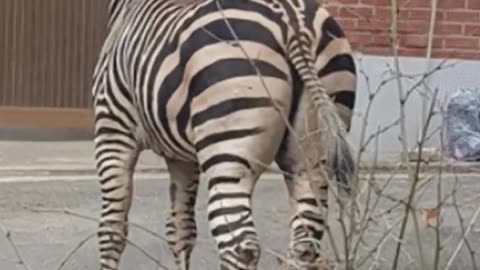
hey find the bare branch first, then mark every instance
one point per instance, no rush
(459, 246)
(20, 259)
(74, 250)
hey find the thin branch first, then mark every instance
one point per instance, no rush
(8, 235)
(415, 181)
(459, 246)
(379, 132)
(74, 250)
(157, 262)
(85, 217)
(463, 231)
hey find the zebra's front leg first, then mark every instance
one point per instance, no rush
(181, 226)
(116, 156)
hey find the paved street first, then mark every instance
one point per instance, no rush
(45, 239)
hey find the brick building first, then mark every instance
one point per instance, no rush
(456, 26)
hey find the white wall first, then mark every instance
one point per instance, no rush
(386, 108)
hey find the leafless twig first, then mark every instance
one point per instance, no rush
(20, 259)
(467, 231)
(74, 250)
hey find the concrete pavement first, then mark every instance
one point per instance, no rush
(59, 175)
(45, 239)
(57, 160)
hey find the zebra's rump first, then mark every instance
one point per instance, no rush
(176, 64)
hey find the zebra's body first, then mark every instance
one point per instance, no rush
(183, 81)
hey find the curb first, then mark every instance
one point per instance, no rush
(433, 167)
(83, 170)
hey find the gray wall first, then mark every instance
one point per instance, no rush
(386, 108)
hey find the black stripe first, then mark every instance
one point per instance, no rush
(113, 200)
(222, 180)
(314, 217)
(215, 160)
(100, 162)
(296, 95)
(227, 196)
(219, 71)
(225, 136)
(110, 189)
(110, 243)
(107, 179)
(236, 239)
(115, 142)
(110, 233)
(123, 91)
(227, 263)
(292, 17)
(106, 168)
(112, 211)
(311, 8)
(340, 62)
(309, 201)
(199, 39)
(106, 151)
(108, 223)
(144, 25)
(222, 69)
(308, 231)
(227, 107)
(150, 32)
(330, 29)
(106, 266)
(112, 117)
(228, 211)
(344, 97)
(117, 249)
(232, 226)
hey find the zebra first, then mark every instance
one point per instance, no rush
(220, 89)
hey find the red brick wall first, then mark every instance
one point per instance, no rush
(367, 23)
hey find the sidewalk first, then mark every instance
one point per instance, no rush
(59, 158)
(76, 158)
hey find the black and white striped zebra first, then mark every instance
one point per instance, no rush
(183, 80)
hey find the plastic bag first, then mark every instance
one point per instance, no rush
(463, 125)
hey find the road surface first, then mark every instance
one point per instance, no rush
(45, 239)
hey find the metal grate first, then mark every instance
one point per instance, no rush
(48, 50)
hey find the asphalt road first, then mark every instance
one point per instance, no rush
(45, 239)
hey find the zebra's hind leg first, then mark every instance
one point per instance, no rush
(116, 156)
(181, 226)
(307, 218)
(230, 218)
(308, 197)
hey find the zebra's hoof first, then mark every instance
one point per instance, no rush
(243, 255)
(304, 254)
(248, 251)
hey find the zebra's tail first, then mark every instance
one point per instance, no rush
(340, 159)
